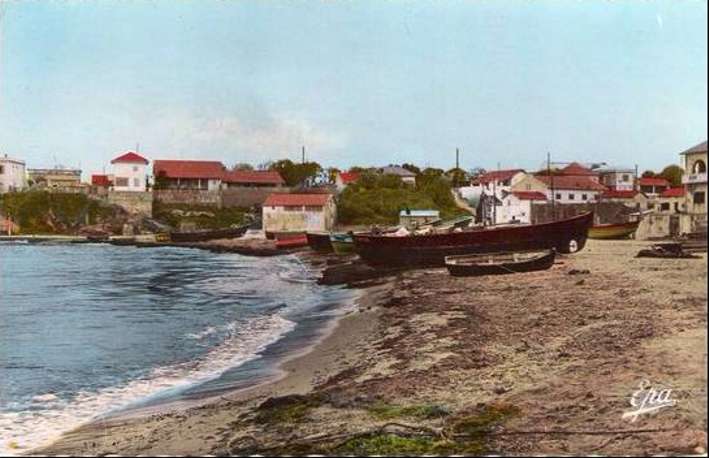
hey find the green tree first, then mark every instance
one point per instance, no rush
(243, 166)
(673, 174)
(411, 168)
(648, 174)
(458, 177)
(296, 174)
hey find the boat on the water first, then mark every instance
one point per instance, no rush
(319, 241)
(342, 243)
(473, 265)
(292, 241)
(566, 236)
(203, 236)
(613, 231)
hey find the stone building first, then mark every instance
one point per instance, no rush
(12, 174)
(299, 213)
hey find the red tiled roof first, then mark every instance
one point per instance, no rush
(673, 192)
(529, 195)
(188, 169)
(287, 200)
(130, 157)
(100, 180)
(497, 175)
(253, 176)
(571, 182)
(653, 181)
(349, 177)
(576, 169)
(619, 194)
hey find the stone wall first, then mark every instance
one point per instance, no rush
(188, 197)
(133, 202)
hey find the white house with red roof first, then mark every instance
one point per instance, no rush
(130, 172)
(518, 206)
(653, 186)
(343, 179)
(299, 213)
(210, 176)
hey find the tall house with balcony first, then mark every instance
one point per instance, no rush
(695, 182)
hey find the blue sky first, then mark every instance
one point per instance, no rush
(357, 82)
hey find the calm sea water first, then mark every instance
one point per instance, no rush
(91, 330)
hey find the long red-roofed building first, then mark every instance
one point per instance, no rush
(210, 176)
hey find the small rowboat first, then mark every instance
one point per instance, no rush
(342, 243)
(613, 231)
(320, 242)
(291, 241)
(473, 265)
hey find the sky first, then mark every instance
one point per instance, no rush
(355, 82)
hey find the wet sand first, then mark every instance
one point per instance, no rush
(541, 363)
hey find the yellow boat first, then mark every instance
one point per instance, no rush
(613, 231)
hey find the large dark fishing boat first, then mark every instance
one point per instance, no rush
(319, 241)
(566, 236)
(203, 236)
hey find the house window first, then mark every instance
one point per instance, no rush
(2, 169)
(698, 198)
(572, 196)
(136, 182)
(135, 168)
(665, 206)
(311, 208)
(650, 206)
(558, 196)
(626, 178)
(121, 182)
(584, 196)
(699, 167)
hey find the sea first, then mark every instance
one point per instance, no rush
(92, 331)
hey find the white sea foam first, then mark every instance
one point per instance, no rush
(21, 431)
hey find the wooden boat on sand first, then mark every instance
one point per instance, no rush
(566, 236)
(473, 265)
(613, 231)
(342, 243)
(292, 241)
(319, 241)
(203, 236)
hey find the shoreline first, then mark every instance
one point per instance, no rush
(294, 374)
(558, 350)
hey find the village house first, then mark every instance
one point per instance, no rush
(407, 176)
(695, 182)
(283, 212)
(575, 189)
(194, 175)
(343, 179)
(102, 181)
(412, 219)
(234, 179)
(518, 206)
(59, 178)
(653, 186)
(129, 172)
(489, 189)
(13, 176)
(617, 179)
(576, 170)
(633, 199)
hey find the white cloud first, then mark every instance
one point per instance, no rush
(233, 139)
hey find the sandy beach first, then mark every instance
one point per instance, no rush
(541, 363)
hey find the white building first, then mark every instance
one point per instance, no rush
(299, 213)
(617, 179)
(129, 172)
(572, 189)
(517, 206)
(488, 190)
(13, 176)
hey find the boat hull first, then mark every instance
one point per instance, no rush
(203, 236)
(565, 236)
(542, 262)
(293, 241)
(342, 244)
(319, 242)
(613, 231)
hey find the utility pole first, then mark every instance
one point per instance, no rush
(303, 157)
(457, 159)
(551, 182)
